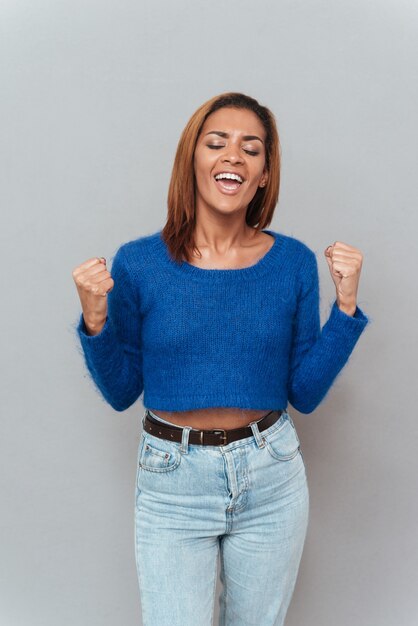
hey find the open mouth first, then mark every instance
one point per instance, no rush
(228, 185)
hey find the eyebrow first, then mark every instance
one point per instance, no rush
(222, 134)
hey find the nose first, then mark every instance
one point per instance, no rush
(233, 154)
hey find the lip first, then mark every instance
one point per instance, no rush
(228, 192)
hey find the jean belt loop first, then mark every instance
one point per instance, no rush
(185, 439)
(259, 439)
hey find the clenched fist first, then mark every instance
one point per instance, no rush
(93, 282)
(345, 263)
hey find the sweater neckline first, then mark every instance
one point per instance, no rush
(267, 262)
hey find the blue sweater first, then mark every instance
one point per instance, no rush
(191, 338)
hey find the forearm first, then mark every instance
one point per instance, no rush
(316, 367)
(115, 369)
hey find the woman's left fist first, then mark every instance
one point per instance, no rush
(345, 263)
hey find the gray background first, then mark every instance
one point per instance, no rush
(94, 96)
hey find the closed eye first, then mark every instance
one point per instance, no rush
(247, 151)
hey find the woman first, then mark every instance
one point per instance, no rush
(217, 321)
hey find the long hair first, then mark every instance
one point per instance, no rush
(178, 232)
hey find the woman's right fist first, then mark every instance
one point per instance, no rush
(93, 282)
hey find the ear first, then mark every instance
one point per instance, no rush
(264, 179)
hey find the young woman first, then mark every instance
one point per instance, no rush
(216, 319)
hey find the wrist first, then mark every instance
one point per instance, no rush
(94, 324)
(349, 309)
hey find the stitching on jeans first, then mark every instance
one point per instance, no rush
(222, 614)
(214, 588)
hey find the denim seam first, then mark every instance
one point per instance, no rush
(213, 591)
(222, 613)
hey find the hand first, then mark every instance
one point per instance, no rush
(345, 264)
(93, 282)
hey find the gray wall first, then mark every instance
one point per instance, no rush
(94, 96)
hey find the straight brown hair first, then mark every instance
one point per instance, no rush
(178, 232)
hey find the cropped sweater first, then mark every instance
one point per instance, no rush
(189, 338)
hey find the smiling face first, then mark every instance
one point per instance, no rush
(231, 141)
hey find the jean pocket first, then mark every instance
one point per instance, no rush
(158, 455)
(283, 443)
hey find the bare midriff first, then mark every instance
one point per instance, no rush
(207, 419)
(221, 417)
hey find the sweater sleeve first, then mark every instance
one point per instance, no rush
(317, 356)
(114, 356)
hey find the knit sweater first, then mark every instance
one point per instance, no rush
(190, 338)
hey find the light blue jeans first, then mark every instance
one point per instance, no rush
(247, 500)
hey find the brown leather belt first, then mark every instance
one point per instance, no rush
(215, 437)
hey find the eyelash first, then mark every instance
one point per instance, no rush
(248, 151)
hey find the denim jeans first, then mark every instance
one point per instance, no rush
(247, 501)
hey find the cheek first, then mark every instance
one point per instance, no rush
(199, 166)
(202, 169)
(257, 175)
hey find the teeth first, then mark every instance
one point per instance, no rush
(227, 175)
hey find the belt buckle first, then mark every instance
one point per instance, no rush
(217, 431)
